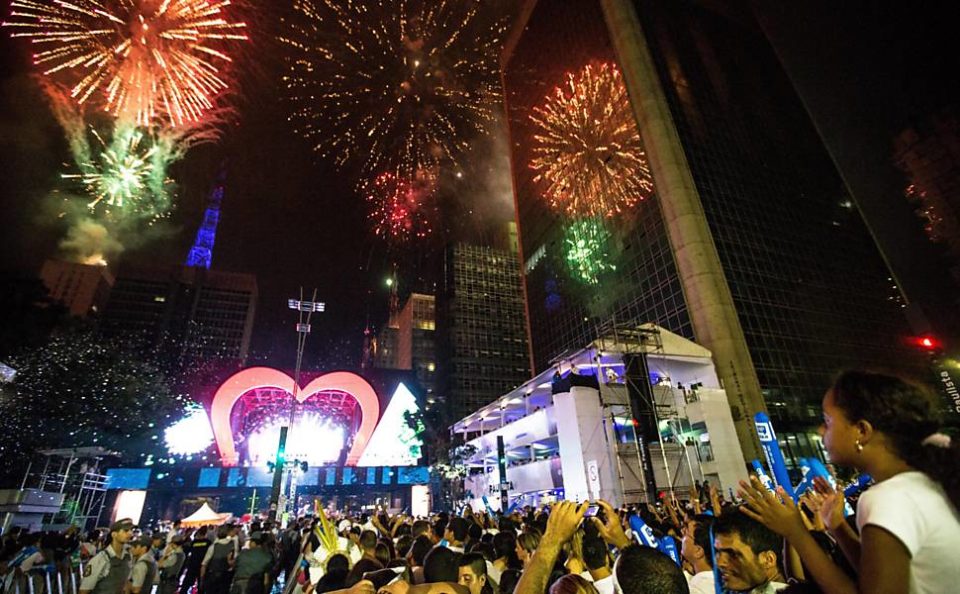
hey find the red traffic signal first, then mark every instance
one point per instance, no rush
(927, 343)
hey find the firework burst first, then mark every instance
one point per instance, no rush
(587, 253)
(392, 85)
(143, 61)
(129, 173)
(587, 151)
(400, 207)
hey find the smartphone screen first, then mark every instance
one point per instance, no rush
(591, 511)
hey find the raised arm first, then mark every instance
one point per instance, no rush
(563, 522)
(884, 559)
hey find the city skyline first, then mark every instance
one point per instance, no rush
(284, 209)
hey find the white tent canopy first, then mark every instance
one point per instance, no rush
(205, 516)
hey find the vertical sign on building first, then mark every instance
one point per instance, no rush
(948, 384)
(504, 485)
(593, 479)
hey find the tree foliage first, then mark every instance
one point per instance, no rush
(83, 389)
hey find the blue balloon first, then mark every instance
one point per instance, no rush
(771, 448)
(808, 475)
(762, 474)
(668, 546)
(862, 481)
(642, 532)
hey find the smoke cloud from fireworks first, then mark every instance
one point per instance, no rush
(90, 242)
(133, 84)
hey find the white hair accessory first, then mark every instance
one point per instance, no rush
(941, 440)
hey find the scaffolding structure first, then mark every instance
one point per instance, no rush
(635, 408)
(78, 475)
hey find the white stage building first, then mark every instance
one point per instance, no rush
(569, 432)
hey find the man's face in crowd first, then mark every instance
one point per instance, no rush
(688, 547)
(740, 568)
(123, 536)
(471, 580)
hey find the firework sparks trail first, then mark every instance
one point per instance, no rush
(587, 151)
(127, 174)
(123, 169)
(400, 207)
(143, 61)
(124, 173)
(392, 85)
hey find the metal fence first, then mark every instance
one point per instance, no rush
(65, 581)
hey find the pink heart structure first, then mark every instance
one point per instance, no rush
(266, 377)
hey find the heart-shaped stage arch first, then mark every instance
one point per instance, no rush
(254, 378)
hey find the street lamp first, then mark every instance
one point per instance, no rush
(306, 309)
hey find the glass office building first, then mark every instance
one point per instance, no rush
(482, 343)
(808, 285)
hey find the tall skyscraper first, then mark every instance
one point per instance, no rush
(714, 211)
(82, 288)
(482, 342)
(192, 313)
(407, 342)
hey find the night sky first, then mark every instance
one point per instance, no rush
(293, 219)
(288, 216)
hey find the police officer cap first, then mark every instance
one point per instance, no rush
(122, 524)
(141, 541)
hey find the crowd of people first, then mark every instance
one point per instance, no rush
(901, 538)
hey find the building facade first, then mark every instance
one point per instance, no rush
(483, 339)
(407, 342)
(744, 240)
(82, 288)
(929, 155)
(569, 434)
(195, 313)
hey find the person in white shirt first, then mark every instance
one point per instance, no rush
(696, 552)
(909, 527)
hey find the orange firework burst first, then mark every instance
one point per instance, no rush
(400, 208)
(140, 60)
(587, 152)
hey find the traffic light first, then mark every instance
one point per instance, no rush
(928, 343)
